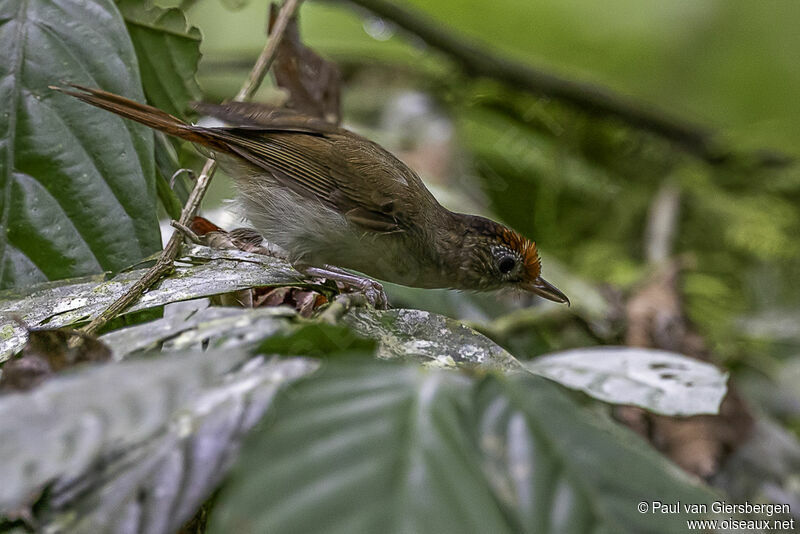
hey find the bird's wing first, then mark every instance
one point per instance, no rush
(358, 178)
(256, 116)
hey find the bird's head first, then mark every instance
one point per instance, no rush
(496, 257)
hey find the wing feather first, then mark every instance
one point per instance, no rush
(356, 177)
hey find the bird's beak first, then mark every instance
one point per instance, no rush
(545, 289)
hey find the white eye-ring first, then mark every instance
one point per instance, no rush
(506, 264)
(506, 260)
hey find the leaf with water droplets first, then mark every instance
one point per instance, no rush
(77, 189)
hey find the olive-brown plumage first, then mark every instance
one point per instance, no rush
(328, 196)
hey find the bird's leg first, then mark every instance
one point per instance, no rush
(372, 290)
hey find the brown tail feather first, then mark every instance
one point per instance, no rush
(147, 115)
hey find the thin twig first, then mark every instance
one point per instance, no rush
(264, 61)
(589, 98)
(189, 173)
(187, 232)
(165, 261)
(662, 222)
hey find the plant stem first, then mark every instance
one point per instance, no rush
(662, 222)
(267, 56)
(166, 259)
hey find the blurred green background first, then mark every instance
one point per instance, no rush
(582, 187)
(731, 64)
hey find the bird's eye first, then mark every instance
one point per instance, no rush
(506, 264)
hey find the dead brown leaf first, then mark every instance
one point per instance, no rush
(700, 443)
(47, 352)
(303, 300)
(312, 82)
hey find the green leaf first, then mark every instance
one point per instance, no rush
(194, 327)
(168, 50)
(665, 383)
(78, 191)
(158, 485)
(415, 335)
(57, 432)
(317, 339)
(201, 272)
(566, 469)
(382, 447)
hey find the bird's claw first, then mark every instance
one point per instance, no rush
(372, 292)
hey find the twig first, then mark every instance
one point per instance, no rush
(187, 232)
(264, 61)
(662, 222)
(593, 99)
(189, 173)
(165, 261)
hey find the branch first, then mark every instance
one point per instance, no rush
(167, 257)
(589, 98)
(662, 222)
(264, 61)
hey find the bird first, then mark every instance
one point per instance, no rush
(337, 202)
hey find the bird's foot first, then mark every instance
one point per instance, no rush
(371, 291)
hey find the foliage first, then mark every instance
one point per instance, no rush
(376, 447)
(660, 381)
(449, 411)
(163, 393)
(168, 52)
(144, 450)
(79, 194)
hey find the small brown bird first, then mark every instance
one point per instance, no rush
(329, 197)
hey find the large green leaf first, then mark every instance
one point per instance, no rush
(194, 326)
(168, 50)
(148, 445)
(200, 272)
(665, 383)
(380, 447)
(436, 340)
(78, 190)
(563, 468)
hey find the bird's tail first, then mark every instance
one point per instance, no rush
(147, 115)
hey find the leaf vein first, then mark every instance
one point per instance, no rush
(16, 67)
